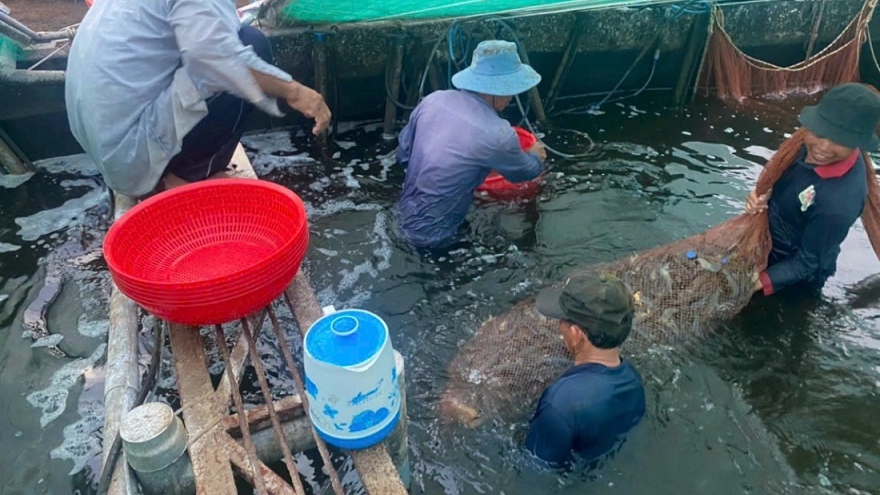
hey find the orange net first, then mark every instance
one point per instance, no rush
(683, 290)
(733, 74)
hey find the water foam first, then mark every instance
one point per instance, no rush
(79, 164)
(333, 207)
(11, 181)
(71, 212)
(379, 260)
(80, 442)
(269, 142)
(8, 248)
(52, 400)
(265, 164)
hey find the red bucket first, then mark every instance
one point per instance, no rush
(209, 252)
(497, 187)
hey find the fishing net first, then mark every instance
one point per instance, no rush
(733, 74)
(682, 290)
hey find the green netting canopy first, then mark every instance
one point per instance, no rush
(337, 11)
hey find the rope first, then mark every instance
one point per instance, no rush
(550, 149)
(873, 55)
(709, 32)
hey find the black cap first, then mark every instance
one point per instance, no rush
(592, 302)
(847, 115)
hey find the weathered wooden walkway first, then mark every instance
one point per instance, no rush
(214, 451)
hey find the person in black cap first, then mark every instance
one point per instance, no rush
(592, 406)
(819, 197)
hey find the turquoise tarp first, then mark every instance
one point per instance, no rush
(337, 11)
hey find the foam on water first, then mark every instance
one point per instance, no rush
(11, 181)
(266, 164)
(335, 206)
(269, 142)
(79, 164)
(48, 340)
(72, 212)
(386, 161)
(8, 248)
(52, 400)
(379, 260)
(80, 441)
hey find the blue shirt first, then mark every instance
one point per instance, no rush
(810, 212)
(587, 411)
(138, 75)
(453, 140)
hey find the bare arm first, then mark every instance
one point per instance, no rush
(301, 98)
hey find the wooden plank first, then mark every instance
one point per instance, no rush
(210, 463)
(202, 404)
(275, 485)
(258, 418)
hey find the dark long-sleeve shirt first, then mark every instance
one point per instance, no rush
(453, 140)
(587, 411)
(811, 211)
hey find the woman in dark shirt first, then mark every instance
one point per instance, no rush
(819, 197)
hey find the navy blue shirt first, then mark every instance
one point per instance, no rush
(811, 211)
(587, 411)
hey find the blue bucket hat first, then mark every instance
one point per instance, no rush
(496, 70)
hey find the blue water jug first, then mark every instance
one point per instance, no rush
(351, 378)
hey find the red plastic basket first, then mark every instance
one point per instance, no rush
(209, 252)
(497, 187)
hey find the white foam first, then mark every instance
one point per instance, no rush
(264, 164)
(8, 248)
(320, 184)
(92, 329)
(79, 164)
(80, 441)
(346, 145)
(387, 161)
(379, 260)
(47, 221)
(11, 181)
(269, 142)
(350, 181)
(48, 340)
(333, 207)
(52, 400)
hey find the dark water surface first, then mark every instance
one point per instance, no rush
(783, 401)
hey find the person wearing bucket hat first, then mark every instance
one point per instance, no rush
(455, 138)
(819, 197)
(592, 406)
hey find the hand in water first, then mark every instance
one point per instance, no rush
(311, 104)
(538, 150)
(756, 204)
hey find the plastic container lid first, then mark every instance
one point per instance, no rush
(346, 338)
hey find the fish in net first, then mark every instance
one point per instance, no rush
(682, 290)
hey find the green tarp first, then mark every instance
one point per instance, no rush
(338, 11)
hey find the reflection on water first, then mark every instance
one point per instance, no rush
(782, 401)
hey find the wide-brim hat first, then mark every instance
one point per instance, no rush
(847, 115)
(497, 70)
